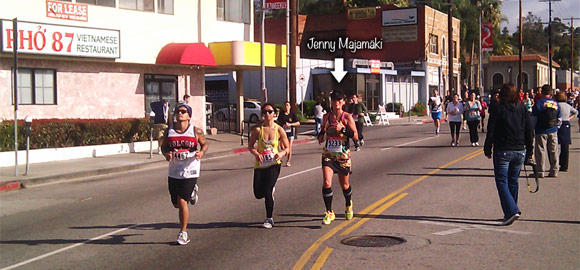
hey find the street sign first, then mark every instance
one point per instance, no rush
(375, 66)
(275, 4)
(302, 80)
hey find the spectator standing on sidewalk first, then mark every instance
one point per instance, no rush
(338, 126)
(160, 124)
(464, 103)
(483, 113)
(184, 147)
(564, 139)
(318, 114)
(289, 122)
(436, 104)
(358, 110)
(509, 135)
(547, 112)
(271, 138)
(454, 112)
(472, 115)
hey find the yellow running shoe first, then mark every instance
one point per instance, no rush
(328, 217)
(349, 213)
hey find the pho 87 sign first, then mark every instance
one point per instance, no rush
(37, 38)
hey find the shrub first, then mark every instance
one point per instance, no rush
(56, 133)
(389, 107)
(419, 109)
(309, 108)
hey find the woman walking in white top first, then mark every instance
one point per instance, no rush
(455, 111)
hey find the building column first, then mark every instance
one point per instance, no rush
(240, 99)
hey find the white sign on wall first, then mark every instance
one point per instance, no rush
(38, 38)
(399, 16)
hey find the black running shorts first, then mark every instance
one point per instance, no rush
(182, 188)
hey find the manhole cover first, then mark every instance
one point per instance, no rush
(373, 241)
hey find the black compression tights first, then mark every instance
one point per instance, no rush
(264, 182)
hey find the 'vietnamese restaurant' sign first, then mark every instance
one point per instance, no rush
(50, 39)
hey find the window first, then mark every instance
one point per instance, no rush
(443, 46)
(36, 86)
(433, 44)
(234, 10)
(165, 6)
(454, 49)
(105, 3)
(141, 5)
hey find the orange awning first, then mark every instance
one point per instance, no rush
(185, 54)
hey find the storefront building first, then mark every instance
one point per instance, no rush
(110, 59)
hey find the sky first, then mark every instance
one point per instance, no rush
(561, 9)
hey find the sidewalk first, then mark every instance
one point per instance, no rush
(221, 144)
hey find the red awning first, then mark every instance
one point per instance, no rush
(185, 54)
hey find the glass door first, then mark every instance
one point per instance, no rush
(160, 87)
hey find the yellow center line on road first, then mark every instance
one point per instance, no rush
(310, 251)
(475, 155)
(322, 258)
(373, 214)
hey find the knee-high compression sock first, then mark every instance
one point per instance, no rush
(347, 195)
(327, 196)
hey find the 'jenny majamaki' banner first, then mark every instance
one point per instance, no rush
(275, 4)
(38, 38)
(487, 37)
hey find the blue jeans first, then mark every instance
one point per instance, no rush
(506, 167)
(318, 122)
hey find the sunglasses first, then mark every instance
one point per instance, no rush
(182, 111)
(268, 111)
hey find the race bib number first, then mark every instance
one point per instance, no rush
(287, 129)
(181, 155)
(334, 144)
(267, 159)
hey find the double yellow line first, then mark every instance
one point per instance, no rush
(368, 213)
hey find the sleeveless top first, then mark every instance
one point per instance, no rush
(183, 147)
(335, 147)
(268, 148)
(472, 111)
(436, 104)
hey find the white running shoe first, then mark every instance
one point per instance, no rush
(473, 144)
(268, 223)
(362, 142)
(193, 199)
(476, 144)
(182, 238)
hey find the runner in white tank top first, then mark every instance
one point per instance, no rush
(184, 146)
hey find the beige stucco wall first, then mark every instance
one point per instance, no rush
(99, 90)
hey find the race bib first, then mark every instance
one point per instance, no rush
(181, 155)
(288, 129)
(334, 144)
(267, 159)
(193, 169)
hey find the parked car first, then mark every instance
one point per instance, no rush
(252, 111)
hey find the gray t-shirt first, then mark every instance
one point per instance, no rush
(318, 111)
(566, 110)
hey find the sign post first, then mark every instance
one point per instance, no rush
(15, 83)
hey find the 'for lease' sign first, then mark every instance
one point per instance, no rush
(37, 38)
(67, 11)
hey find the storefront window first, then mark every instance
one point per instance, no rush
(165, 6)
(160, 87)
(234, 10)
(36, 86)
(141, 5)
(105, 3)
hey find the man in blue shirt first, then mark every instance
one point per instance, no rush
(547, 112)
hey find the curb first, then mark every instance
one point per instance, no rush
(23, 183)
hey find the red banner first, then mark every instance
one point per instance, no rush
(375, 66)
(275, 4)
(487, 37)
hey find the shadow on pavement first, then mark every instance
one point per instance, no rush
(444, 175)
(458, 169)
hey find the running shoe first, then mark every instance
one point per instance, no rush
(511, 220)
(288, 164)
(476, 144)
(362, 142)
(457, 143)
(452, 143)
(268, 223)
(349, 213)
(357, 148)
(328, 217)
(193, 199)
(473, 144)
(182, 238)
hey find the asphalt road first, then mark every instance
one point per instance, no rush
(407, 183)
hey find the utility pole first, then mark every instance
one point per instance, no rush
(571, 50)
(450, 44)
(521, 59)
(549, 38)
(293, 39)
(263, 90)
